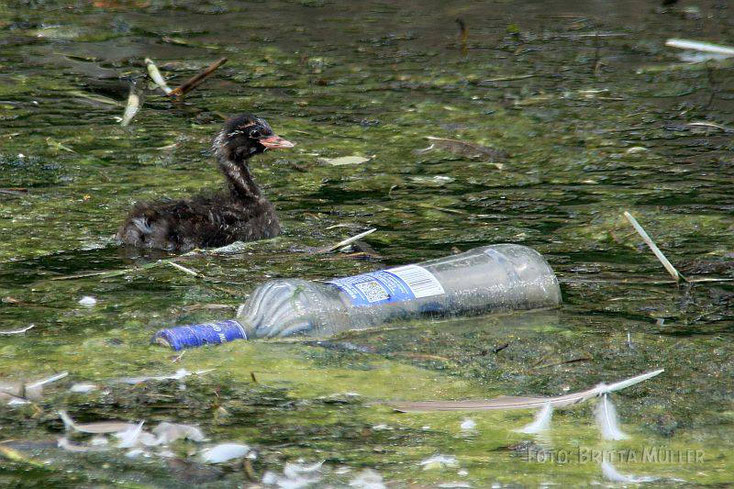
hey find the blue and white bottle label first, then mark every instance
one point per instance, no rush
(392, 285)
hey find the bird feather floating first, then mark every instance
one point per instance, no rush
(129, 437)
(607, 419)
(612, 474)
(506, 402)
(541, 422)
(132, 107)
(156, 76)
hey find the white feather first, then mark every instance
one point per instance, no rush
(68, 422)
(612, 474)
(224, 452)
(541, 422)
(129, 438)
(622, 384)
(607, 420)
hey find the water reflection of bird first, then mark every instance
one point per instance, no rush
(242, 213)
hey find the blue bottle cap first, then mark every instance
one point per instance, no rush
(194, 335)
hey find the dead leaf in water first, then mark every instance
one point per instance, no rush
(345, 160)
(462, 148)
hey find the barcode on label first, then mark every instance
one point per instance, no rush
(373, 291)
(420, 281)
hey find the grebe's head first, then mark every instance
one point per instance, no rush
(245, 135)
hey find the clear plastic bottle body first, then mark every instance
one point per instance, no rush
(493, 278)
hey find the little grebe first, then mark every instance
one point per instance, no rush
(240, 214)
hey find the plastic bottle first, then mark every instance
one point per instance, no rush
(502, 277)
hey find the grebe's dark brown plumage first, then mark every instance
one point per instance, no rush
(242, 213)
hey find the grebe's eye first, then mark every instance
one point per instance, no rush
(255, 134)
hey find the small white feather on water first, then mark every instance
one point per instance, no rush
(170, 432)
(99, 441)
(83, 387)
(88, 301)
(439, 461)
(367, 479)
(148, 439)
(541, 422)
(610, 473)
(135, 453)
(132, 107)
(72, 447)
(607, 420)
(156, 76)
(295, 476)
(292, 470)
(468, 425)
(18, 401)
(129, 438)
(224, 452)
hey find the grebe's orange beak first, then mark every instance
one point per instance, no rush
(276, 142)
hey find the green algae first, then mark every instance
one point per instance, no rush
(585, 142)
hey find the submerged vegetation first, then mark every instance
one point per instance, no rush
(548, 121)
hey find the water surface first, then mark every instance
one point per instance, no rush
(594, 112)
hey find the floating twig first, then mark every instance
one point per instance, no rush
(346, 242)
(14, 191)
(185, 270)
(195, 81)
(463, 36)
(711, 125)
(123, 271)
(47, 380)
(17, 331)
(564, 362)
(651, 244)
(94, 97)
(110, 273)
(203, 277)
(584, 35)
(509, 78)
(705, 47)
(156, 76)
(133, 105)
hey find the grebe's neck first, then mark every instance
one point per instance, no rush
(235, 169)
(239, 178)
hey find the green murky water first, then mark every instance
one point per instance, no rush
(595, 125)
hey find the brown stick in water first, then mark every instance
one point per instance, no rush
(195, 81)
(463, 36)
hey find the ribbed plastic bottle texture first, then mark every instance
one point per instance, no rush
(495, 278)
